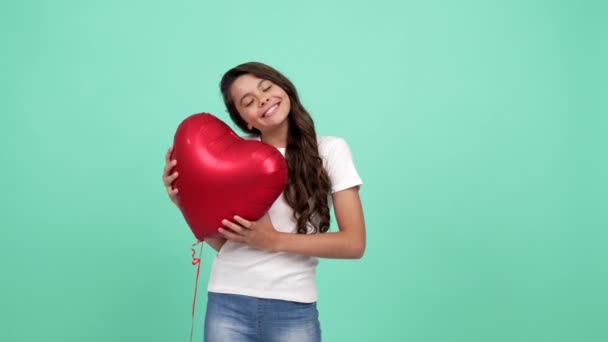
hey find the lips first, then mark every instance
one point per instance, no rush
(270, 111)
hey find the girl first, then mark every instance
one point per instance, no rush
(262, 283)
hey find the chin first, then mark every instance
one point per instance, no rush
(276, 124)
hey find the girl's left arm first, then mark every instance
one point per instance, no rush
(347, 243)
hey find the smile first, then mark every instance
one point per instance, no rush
(271, 110)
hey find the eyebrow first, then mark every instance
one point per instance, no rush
(259, 85)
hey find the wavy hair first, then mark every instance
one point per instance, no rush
(308, 185)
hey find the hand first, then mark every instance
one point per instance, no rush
(260, 234)
(168, 177)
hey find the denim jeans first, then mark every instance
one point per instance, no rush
(238, 318)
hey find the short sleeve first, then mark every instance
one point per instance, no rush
(339, 164)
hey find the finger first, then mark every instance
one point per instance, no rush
(235, 227)
(171, 178)
(167, 169)
(168, 180)
(171, 190)
(168, 154)
(231, 236)
(243, 222)
(168, 166)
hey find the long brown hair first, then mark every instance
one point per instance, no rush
(308, 184)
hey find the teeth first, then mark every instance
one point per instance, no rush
(270, 109)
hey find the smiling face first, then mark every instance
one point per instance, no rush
(261, 103)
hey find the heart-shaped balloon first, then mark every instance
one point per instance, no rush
(221, 174)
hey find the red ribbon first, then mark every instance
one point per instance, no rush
(195, 261)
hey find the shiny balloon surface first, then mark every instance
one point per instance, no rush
(221, 174)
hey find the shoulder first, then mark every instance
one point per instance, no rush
(329, 145)
(338, 162)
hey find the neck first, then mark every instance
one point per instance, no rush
(277, 137)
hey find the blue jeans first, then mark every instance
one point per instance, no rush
(237, 318)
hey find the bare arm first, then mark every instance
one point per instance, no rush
(168, 179)
(348, 243)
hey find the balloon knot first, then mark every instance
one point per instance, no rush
(195, 260)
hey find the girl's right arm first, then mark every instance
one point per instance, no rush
(168, 179)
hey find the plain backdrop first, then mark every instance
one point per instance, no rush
(478, 127)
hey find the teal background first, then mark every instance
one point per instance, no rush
(479, 128)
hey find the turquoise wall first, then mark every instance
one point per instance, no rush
(478, 127)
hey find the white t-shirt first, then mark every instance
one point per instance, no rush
(244, 270)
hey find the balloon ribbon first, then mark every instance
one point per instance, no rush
(195, 262)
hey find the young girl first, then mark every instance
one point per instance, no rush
(262, 284)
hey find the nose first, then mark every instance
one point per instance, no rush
(263, 100)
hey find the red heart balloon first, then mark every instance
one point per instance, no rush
(221, 174)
